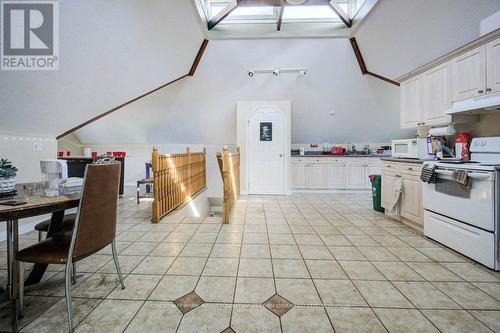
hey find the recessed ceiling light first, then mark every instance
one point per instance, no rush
(295, 2)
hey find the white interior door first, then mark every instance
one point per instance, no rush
(266, 143)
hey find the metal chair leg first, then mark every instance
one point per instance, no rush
(21, 287)
(73, 274)
(115, 258)
(67, 286)
(40, 236)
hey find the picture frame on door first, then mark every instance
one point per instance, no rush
(266, 131)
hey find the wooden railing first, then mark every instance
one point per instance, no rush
(176, 177)
(229, 166)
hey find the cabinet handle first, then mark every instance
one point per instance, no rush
(409, 169)
(480, 91)
(488, 89)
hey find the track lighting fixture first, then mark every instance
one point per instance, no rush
(277, 71)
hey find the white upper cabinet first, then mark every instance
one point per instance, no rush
(493, 66)
(468, 74)
(437, 95)
(411, 106)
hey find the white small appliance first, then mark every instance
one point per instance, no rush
(54, 173)
(467, 219)
(411, 148)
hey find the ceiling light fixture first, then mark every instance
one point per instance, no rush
(277, 71)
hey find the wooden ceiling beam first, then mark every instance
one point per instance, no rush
(223, 14)
(199, 55)
(362, 65)
(340, 12)
(358, 55)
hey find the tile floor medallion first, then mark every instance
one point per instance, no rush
(300, 263)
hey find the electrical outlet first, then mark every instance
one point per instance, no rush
(37, 146)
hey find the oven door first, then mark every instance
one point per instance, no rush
(474, 206)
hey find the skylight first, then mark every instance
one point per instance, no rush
(282, 18)
(299, 13)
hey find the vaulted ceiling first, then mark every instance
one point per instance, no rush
(110, 52)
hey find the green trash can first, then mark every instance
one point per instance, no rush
(376, 181)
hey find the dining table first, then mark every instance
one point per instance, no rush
(35, 205)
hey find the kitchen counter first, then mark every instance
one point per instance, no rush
(314, 154)
(403, 160)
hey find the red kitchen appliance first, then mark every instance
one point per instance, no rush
(462, 145)
(338, 150)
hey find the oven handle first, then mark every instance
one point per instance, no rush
(473, 175)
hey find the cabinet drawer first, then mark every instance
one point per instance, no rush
(390, 166)
(410, 169)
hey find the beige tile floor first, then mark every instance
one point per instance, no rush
(331, 263)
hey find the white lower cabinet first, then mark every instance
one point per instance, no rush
(333, 173)
(336, 176)
(356, 174)
(299, 176)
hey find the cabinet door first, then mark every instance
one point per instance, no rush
(493, 66)
(316, 176)
(387, 186)
(336, 176)
(468, 74)
(356, 174)
(437, 95)
(299, 176)
(411, 204)
(411, 108)
(371, 169)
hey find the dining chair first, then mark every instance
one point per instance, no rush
(68, 224)
(95, 228)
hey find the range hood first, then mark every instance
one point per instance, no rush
(477, 105)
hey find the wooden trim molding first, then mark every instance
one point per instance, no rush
(199, 55)
(383, 78)
(358, 55)
(362, 65)
(191, 73)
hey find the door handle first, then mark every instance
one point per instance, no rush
(281, 155)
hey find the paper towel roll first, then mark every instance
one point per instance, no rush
(443, 131)
(87, 152)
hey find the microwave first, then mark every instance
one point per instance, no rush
(411, 148)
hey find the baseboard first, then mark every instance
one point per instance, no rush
(332, 191)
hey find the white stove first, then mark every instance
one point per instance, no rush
(467, 219)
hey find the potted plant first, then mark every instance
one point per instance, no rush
(8, 174)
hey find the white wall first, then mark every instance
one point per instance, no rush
(401, 35)
(19, 149)
(202, 109)
(110, 52)
(70, 143)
